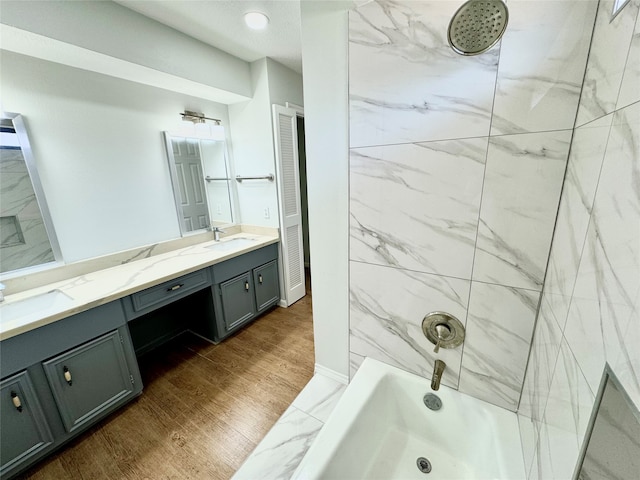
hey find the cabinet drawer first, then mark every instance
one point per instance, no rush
(265, 279)
(165, 293)
(25, 431)
(89, 379)
(243, 263)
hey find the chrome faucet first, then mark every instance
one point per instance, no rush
(438, 370)
(216, 233)
(2, 287)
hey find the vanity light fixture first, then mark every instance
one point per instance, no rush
(201, 127)
(195, 117)
(256, 20)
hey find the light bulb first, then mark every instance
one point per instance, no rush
(256, 20)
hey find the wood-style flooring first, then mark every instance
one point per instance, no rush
(203, 409)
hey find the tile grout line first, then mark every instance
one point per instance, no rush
(546, 270)
(626, 60)
(475, 245)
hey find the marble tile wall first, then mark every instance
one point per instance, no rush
(456, 169)
(590, 310)
(26, 242)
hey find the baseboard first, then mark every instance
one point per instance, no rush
(213, 342)
(283, 303)
(327, 372)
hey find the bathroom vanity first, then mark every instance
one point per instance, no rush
(222, 299)
(60, 379)
(69, 350)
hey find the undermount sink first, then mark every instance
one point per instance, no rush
(232, 244)
(34, 306)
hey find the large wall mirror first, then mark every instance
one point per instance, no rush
(201, 181)
(612, 446)
(27, 236)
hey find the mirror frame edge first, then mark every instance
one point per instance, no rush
(173, 173)
(20, 128)
(174, 180)
(607, 375)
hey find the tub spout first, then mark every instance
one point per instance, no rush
(438, 370)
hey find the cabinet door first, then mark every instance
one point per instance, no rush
(265, 279)
(89, 379)
(237, 300)
(24, 430)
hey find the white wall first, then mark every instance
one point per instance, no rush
(252, 138)
(285, 85)
(324, 47)
(111, 29)
(252, 144)
(99, 149)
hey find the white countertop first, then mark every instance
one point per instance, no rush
(103, 286)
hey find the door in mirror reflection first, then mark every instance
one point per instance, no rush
(201, 182)
(195, 212)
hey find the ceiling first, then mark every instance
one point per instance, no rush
(220, 23)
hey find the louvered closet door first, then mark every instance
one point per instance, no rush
(285, 131)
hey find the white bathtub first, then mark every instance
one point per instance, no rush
(380, 427)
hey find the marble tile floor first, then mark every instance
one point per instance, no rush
(278, 455)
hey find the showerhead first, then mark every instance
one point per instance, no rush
(477, 26)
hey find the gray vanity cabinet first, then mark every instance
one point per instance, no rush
(89, 379)
(58, 380)
(244, 287)
(24, 430)
(61, 378)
